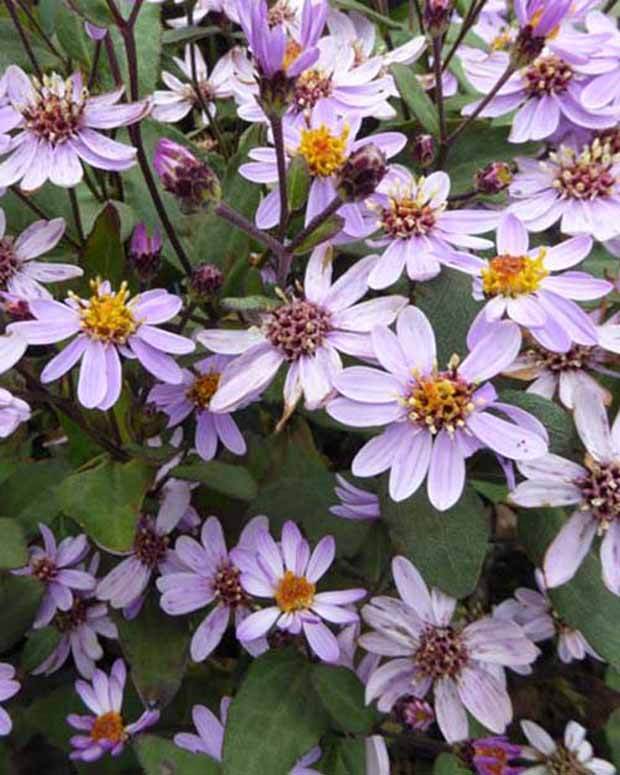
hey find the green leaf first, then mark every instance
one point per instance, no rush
(20, 597)
(69, 28)
(297, 182)
(449, 764)
(103, 254)
(162, 757)
(355, 5)
(39, 646)
(156, 646)
(30, 493)
(232, 480)
(148, 31)
(557, 421)
(342, 695)
(328, 229)
(416, 99)
(344, 756)
(275, 718)
(95, 11)
(188, 34)
(250, 303)
(612, 732)
(13, 549)
(106, 500)
(447, 547)
(12, 51)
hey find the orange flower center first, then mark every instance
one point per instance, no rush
(203, 389)
(108, 727)
(294, 593)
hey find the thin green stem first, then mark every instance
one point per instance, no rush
(77, 217)
(24, 38)
(225, 211)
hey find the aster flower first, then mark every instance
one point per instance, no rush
(8, 688)
(377, 757)
(13, 412)
(581, 189)
(492, 756)
(539, 21)
(180, 98)
(307, 333)
(414, 713)
(55, 567)
(12, 348)
(193, 395)
(325, 145)
(212, 575)
(108, 325)
(572, 754)
(593, 488)
(288, 573)
(518, 282)
(435, 419)
(210, 738)
(80, 628)
(462, 664)
(604, 87)
(19, 274)
(355, 503)
(105, 731)
(419, 233)
(58, 127)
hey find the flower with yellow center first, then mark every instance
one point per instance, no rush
(294, 593)
(109, 727)
(440, 400)
(107, 316)
(203, 389)
(513, 275)
(324, 152)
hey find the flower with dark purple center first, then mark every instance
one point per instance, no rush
(414, 713)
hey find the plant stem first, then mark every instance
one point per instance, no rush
(41, 32)
(437, 46)
(24, 38)
(317, 221)
(468, 23)
(75, 208)
(42, 214)
(278, 139)
(93, 70)
(225, 211)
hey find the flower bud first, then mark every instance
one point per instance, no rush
(145, 252)
(414, 713)
(361, 173)
(15, 307)
(192, 182)
(276, 93)
(437, 15)
(493, 178)
(424, 150)
(526, 47)
(206, 281)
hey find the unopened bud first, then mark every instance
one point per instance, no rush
(276, 93)
(145, 252)
(192, 182)
(437, 15)
(526, 47)
(15, 307)
(414, 713)
(361, 173)
(424, 150)
(493, 178)
(206, 281)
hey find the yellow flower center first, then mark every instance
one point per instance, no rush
(291, 54)
(203, 389)
(502, 41)
(441, 400)
(323, 151)
(107, 316)
(294, 593)
(108, 727)
(513, 275)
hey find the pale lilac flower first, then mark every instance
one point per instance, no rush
(210, 738)
(55, 567)
(108, 325)
(539, 17)
(419, 233)
(377, 757)
(325, 144)
(9, 687)
(414, 713)
(212, 575)
(58, 127)
(307, 333)
(181, 97)
(105, 731)
(580, 189)
(435, 419)
(80, 627)
(355, 503)
(13, 412)
(464, 665)
(605, 86)
(518, 283)
(193, 395)
(19, 274)
(573, 754)
(288, 573)
(492, 756)
(594, 489)
(12, 348)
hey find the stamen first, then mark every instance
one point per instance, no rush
(298, 328)
(513, 275)
(323, 151)
(203, 389)
(107, 316)
(294, 593)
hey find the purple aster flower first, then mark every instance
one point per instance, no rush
(593, 488)
(572, 754)
(492, 756)
(8, 688)
(604, 87)
(58, 123)
(80, 628)
(108, 325)
(54, 567)
(538, 20)
(377, 757)
(13, 412)
(210, 738)
(212, 575)
(534, 613)
(289, 573)
(518, 282)
(106, 731)
(414, 713)
(307, 333)
(581, 189)
(193, 395)
(419, 233)
(435, 419)
(12, 347)
(19, 274)
(355, 503)
(325, 144)
(464, 665)
(145, 251)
